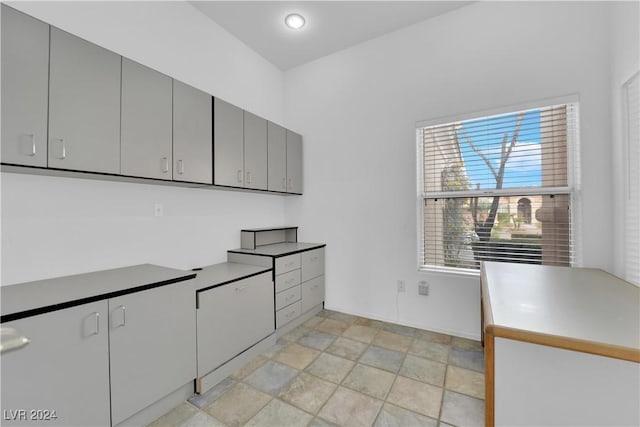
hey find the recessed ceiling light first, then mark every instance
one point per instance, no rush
(294, 20)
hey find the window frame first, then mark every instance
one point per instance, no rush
(572, 189)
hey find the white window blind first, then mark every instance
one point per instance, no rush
(631, 92)
(498, 188)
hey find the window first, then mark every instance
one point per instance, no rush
(498, 188)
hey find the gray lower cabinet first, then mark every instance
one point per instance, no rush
(312, 293)
(232, 318)
(25, 79)
(192, 134)
(146, 135)
(65, 369)
(294, 162)
(255, 152)
(228, 144)
(277, 157)
(152, 337)
(84, 105)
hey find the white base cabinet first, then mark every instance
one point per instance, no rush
(62, 376)
(232, 318)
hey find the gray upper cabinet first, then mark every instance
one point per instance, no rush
(192, 138)
(146, 135)
(255, 152)
(277, 157)
(84, 105)
(294, 162)
(25, 62)
(65, 368)
(228, 143)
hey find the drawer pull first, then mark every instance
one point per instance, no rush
(314, 287)
(165, 165)
(290, 297)
(241, 288)
(290, 315)
(289, 281)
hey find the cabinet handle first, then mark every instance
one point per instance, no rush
(290, 297)
(11, 340)
(284, 183)
(239, 175)
(63, 148)
(290, 184)
(124, 316)
(32, 151)
(241, 288)
(248, 177)
(314, 287)
(165, 165)
(97, 317)
(181, 167)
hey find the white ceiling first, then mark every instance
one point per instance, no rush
(331, 25)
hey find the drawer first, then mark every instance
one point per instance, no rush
(287, 297)
(288, 313)
(287, 263)
(287, 280)
(312, 293)
(312, 264)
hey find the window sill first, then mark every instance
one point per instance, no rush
(443, 271)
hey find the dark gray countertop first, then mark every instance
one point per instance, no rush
(219, 274)
(279, 249)
(25, 299)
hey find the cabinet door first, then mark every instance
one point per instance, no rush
(255, 152)
(277, 157)
(312, 293)
(152, 344)
(312, 264)
(84, 105)
(25, 79)
(228, 144)
(232, 318)
(65, 368)
(191, 134)
(146, 141)
(294, 162)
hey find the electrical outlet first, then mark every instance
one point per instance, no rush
(401, 286)
(423, 288)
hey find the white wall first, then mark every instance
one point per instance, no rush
(58, 226)
(625, 62)
(357, 110)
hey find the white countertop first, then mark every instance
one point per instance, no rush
(576, 304)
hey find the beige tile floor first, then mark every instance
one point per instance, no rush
(338, 369)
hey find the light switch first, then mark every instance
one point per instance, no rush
(158, 209)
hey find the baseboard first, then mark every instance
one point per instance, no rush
(457, 333)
